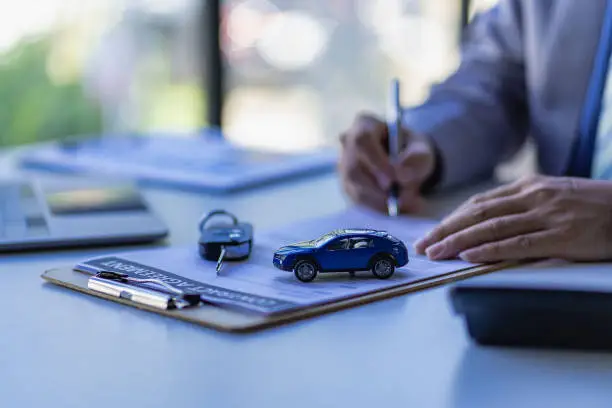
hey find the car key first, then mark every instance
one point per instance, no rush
(220, 261)
(222, 242)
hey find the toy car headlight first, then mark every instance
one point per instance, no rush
(395, 250)
(280, 257)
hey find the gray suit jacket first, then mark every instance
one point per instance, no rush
(525, 70)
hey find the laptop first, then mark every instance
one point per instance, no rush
(35, 215)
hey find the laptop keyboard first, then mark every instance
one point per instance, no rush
(21, 214)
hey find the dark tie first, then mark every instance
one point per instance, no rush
(592, 155)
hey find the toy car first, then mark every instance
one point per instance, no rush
(345, 250)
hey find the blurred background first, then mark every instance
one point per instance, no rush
(295, 71)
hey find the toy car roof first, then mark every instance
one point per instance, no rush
(358, 231)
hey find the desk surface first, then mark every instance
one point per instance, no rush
(63, 349)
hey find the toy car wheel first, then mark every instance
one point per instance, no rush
(383, 267)
(305, 270)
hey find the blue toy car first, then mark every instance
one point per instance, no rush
(345, 250)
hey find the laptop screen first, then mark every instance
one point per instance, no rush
(94, 200)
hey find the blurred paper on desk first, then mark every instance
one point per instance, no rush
(200, 162)
(257, 286)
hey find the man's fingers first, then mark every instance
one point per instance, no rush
(352, 169)
(506, 190)
(368, 197)
(493, 230)
(539, 244)
(357, 174)
(471, 215)
(414, 164)
(382, 178)
(361, 174)
(503, 191)
(410, 200)
(366, 139)
(364, 150)
(361, 186)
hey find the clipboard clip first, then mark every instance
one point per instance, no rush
(125, 287)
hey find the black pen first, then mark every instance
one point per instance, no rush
(394, 123)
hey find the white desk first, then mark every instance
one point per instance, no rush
(62, 349)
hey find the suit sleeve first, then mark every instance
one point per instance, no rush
(478, 116)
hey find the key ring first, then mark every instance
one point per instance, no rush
(214, 213)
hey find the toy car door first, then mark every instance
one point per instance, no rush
(361, 251)
(334, 255)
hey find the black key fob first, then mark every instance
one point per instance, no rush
(235, 237)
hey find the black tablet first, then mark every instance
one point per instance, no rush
(550, 304)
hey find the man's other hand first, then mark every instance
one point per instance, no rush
(367, 172)
(538, 217)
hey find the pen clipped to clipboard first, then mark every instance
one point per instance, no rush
(122, 286)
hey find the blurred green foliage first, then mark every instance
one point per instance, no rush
(32, 108)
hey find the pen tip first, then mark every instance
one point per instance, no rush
(392, 207)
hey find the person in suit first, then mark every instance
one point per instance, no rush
(537, 69)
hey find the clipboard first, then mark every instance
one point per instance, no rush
(228, 320)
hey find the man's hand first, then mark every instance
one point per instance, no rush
(539, 217)
(367, 172)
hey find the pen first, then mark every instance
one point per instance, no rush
(394, 120)
(125, 287)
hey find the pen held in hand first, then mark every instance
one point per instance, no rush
(394, 123)
(393, 200)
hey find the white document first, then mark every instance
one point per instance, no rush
(256, 285)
